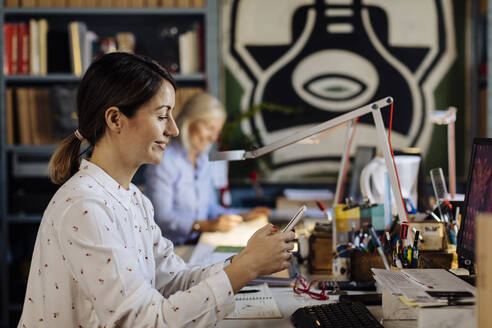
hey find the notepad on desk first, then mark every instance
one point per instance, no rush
(255, 305)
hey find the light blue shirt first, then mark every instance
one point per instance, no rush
(182, 194)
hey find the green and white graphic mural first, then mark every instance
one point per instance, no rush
(292, 64)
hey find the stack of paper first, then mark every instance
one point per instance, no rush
(413, 284)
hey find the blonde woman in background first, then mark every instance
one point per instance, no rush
(181, 187)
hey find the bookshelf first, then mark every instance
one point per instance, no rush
(144, 23)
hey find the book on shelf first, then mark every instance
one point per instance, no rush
(81, 45)
(151, 3)
(10, 35)
(16, 49)
(198, 3)
(183, 3)
(89, 40)
(45, 3)
(75, 3)
(168, 3)
(137, 3)
(104, 3)
(34, 116)
(30, 116)
(23, 49)
(75, 46)
(23, 116)
(43, 46)
(9, 109)
(34, 67)
(90, 3)
(188, 52)
(121, 3)
(44, 133)
(12, 3)
(200, 48)
(59, 3)
(28, 3)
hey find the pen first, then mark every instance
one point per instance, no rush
(248, 291)
(433, 215)
(379, 247)
(415, 251)
(322, 208)
(421, 239)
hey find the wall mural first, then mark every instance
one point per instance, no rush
(328, 57)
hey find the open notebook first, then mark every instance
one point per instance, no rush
(257, 305)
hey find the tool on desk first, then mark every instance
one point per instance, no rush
(433, 215)
(368, 285)
(322, 208)
(409, 206)
(441, 193)
(379, 247)
(421, 239)
(248, 291)
(389, 244)
(300, 213)
(401, 255)
(457, 218)
(415, 251)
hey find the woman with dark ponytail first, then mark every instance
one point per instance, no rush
(100, 259)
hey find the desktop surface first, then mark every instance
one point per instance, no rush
(288, 302)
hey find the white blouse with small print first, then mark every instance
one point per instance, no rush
(100, 261)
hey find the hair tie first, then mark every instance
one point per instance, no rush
(79, 136)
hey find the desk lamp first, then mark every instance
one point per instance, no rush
(320, 130)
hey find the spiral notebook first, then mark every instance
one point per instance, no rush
(255, 305)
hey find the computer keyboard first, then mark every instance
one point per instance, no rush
(347, 314)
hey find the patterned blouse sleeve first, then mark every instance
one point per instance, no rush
(183, 277)
(109, 275)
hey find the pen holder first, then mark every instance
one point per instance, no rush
(432, 260)
(320, 252)
(433, 235)
(361, 264)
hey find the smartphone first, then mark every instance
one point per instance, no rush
(296, 218)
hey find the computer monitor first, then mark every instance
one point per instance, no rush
(478, 199)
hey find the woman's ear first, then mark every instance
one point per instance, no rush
(113, 118)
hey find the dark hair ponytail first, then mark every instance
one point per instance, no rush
(117, 79)
(65, 161)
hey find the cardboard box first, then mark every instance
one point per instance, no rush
(320, 252)
(433, 234)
